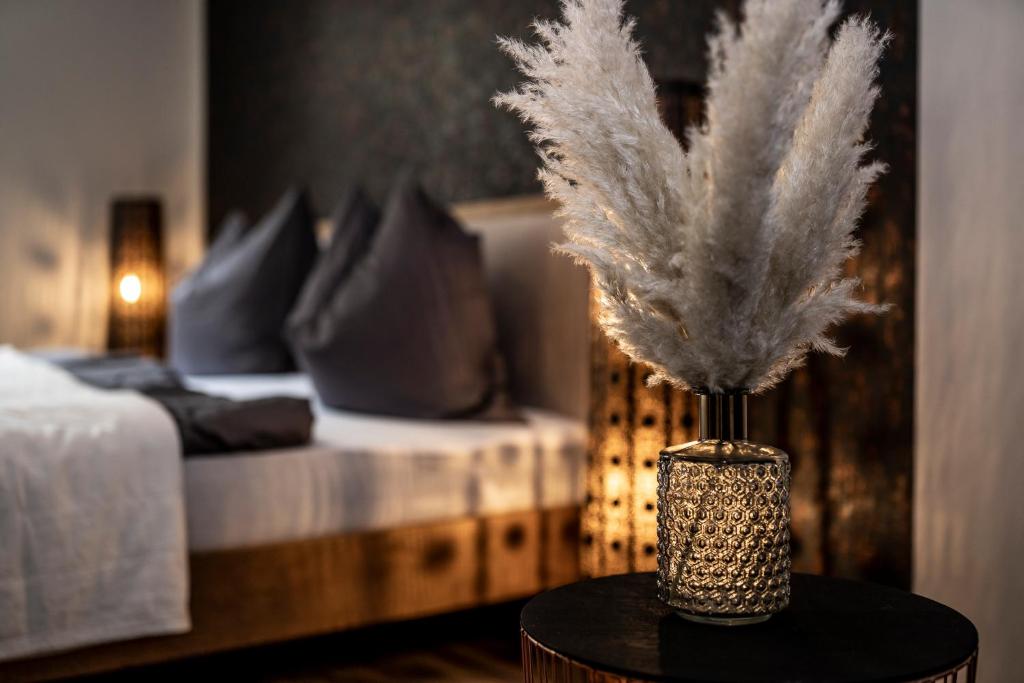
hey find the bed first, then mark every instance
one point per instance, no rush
(366, 473)
(381, 519)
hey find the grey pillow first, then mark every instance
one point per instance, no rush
(404, 326)
(228, 316)
(353, 225)
(230, 233)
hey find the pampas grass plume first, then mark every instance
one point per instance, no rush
(721, 266)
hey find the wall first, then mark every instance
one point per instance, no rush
(342, 91)
(99, 98)
(968, 516)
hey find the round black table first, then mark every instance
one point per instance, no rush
(615, 629)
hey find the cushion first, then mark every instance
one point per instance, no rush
(230, 233)
(353, 225)
(228, 315)
(403, 323)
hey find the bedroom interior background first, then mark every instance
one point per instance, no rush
(54, 309)
(54, 193)
(355, 96)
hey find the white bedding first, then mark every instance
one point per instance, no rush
(364, 472)
(92, 525)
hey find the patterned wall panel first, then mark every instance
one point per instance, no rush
(329, 92)
(848, 423)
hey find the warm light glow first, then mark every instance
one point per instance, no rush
(130, 288)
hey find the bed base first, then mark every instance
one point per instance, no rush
(271, 593)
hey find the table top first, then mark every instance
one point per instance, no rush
(834, 630)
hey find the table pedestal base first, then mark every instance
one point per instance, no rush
(541, 665)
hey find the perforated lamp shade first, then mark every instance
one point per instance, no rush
(137, 292)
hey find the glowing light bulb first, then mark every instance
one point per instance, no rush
(130, 288)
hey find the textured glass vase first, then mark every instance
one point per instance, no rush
(723, 521)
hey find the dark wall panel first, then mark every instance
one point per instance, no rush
(327, 92)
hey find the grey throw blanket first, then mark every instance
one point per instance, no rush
(207, 424)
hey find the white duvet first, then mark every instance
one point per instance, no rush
(92, 521)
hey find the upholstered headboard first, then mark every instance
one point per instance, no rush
(541, 301)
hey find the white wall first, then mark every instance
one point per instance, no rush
(97, 98)
(969, 492)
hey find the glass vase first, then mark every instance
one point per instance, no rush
(723, 521)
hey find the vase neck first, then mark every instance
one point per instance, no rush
(723, 417)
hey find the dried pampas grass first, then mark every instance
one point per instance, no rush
(720, 267)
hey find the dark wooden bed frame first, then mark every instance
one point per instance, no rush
(270, 593)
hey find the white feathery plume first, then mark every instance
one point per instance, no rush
(720, 267)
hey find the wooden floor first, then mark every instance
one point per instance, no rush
(479, 646)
